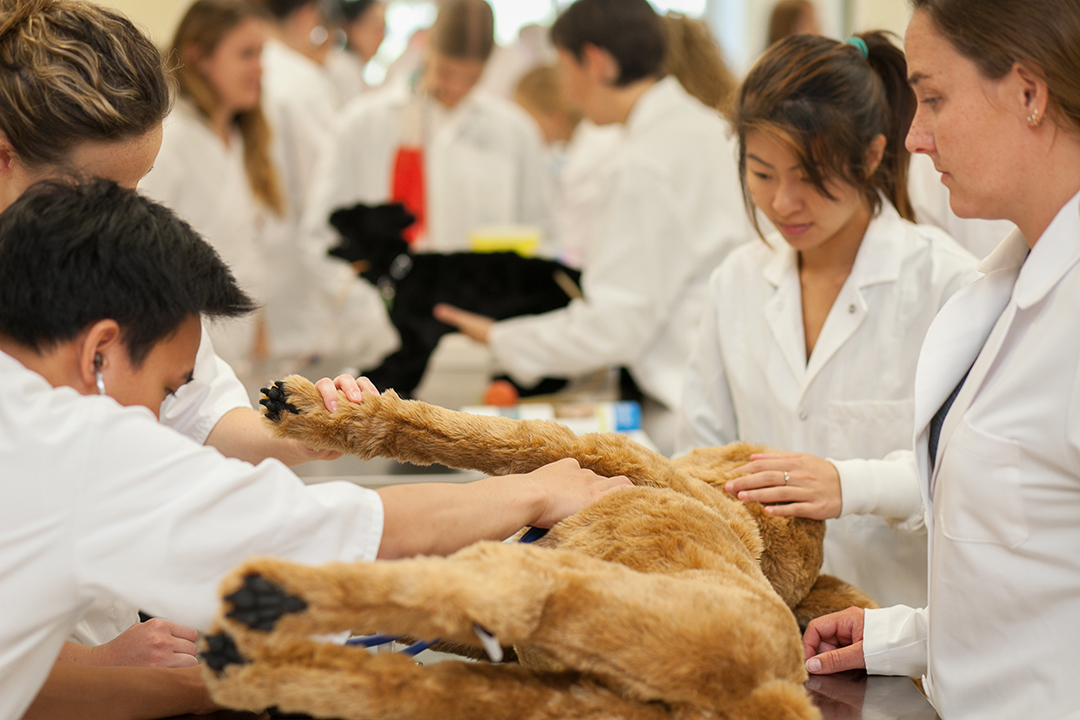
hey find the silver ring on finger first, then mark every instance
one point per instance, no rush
(786, 478)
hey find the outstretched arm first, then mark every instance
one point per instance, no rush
(440, 519)
(81, 692)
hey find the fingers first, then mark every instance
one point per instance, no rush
(756, 479)
(175, 629)
(448, 314)
(845, 658)
(354, 389)
(328, 390)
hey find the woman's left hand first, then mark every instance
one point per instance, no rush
(790, 484)
(475, 326)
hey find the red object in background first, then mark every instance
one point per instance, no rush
(501, 394)
(407, 188)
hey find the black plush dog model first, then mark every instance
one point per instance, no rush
(497, 285)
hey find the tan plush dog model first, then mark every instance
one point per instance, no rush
(668, 600)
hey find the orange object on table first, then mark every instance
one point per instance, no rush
(407, 188)
(501, 393)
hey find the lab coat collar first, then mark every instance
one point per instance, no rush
(1054, 255)
(878, 261)
(655, 104)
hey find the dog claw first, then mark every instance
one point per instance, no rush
(276, 401)
(221, 652)
(259, 604)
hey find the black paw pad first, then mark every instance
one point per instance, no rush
(260, 603)
(275, 401)
(221, 652)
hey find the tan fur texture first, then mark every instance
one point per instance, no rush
(669, 600)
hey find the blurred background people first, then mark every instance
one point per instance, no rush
(671, 211)
(792, 17)
(363, 29)
(215, 169)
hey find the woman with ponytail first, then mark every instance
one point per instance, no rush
(214, 168)
(810, 338)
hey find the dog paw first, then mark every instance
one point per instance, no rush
(220, 651)
(276, 400)
(259, 603)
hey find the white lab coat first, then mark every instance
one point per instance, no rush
(101, 501)
(582, 179)
(999, 636)
(192, 411)
(673, 210)
(205, 182)
(346, 71)
(484, 165)
(749, 379)
(300, 104)
(931, 201)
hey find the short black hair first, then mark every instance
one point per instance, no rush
(350, 10)
(72, 254)
(628, 29)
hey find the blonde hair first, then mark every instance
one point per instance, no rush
(540, 88)
(695, 59)
(72, 72)
(204, 26)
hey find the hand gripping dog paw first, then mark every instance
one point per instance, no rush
(668, 600)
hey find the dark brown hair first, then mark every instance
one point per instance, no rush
(464, 30)
(785, 18)
(827, 102)
(695, 59)
(1042, 35)
(72, 72)
(628, 29)
(202, 29)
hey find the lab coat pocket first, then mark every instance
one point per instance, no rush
(979, 496)
(870, 429)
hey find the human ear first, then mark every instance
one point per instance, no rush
(875, 152)
(600, 64)
(98, 352)
(1034, 96)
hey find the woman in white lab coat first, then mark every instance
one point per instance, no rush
(810, 338)
(997, 419)
(214, 168)
(482, 160)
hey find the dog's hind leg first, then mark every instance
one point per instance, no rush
(331, 681)
(423, 434)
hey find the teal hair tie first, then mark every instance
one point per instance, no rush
(859, 43)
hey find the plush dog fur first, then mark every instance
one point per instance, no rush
(667, 600)
(497, 285)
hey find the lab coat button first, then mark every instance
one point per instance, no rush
(804, 415)
(851, 309)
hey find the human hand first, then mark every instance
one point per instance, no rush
(475, 326)
(567, 488)
(154, 643)
(354, 389)
(803, 485)
(833, 643)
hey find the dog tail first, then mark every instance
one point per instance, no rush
(776, 700)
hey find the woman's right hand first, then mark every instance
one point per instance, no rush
(790, 485)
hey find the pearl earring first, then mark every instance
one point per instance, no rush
(1033, 119)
